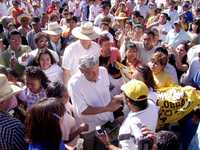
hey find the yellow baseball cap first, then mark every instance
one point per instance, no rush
(134, 89)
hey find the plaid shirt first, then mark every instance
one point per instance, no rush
(11, 133)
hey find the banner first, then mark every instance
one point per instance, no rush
(175, 103)
(124, 70)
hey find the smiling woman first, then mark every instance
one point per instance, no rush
(48, 65)
(157, 65)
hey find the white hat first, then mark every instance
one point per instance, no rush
(53, 29)
(86, 31)
(7, 89)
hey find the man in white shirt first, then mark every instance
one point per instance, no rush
(193, 69)
(90, 95)
(105, 12)
(176, 36)
(84, 46)
(142, 8)
(172, 12)
(146, 48)
(143, 112)
(95, 9)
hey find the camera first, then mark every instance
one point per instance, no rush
(99, 130)
(145, 144)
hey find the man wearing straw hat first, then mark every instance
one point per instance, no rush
(83, 46)
(11, 129)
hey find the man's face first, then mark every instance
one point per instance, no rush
(106, 46)
(42, 43)
(148, 41)
(162, 19)
(177, 27)
(91, 74)
(86, 43)
(15, 41)
(105, 10)
(36, 26)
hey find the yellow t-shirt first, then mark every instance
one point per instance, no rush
(163, 80)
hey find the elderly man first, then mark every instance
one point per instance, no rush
(11, 129)
(89, 91)
(84, 46)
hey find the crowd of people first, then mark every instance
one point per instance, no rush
(85, 74)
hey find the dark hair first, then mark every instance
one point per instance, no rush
(75, 19)
(197, 22)
(40, 35)
(53, 16)
(130, 22)
(42, 123)
(136, 13)
(186, 46)
(13, 32)
(44, 51)
(141, 105)
(12, 72)
(36, 73)
(158, 10)
(35, 19)
(167, 16)
(103, 38)
(130, 45)
(147, 75)
(196, 112)
(149, 32)
(106, 20)
(160, 58)
(55, 89)
(162, 50)
(105, 4)
(167, 140)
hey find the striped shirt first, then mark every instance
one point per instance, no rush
(11, 133)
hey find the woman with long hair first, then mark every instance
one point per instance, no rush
(43, 125)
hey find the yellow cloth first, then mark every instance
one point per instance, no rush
(162, 80)
(175, 103)
(151, 20)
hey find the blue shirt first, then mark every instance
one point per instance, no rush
(194, 145)
(40, 147)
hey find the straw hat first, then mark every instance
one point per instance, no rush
(121, 16)
(53, 28)
(7, 89)
(86, 31)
